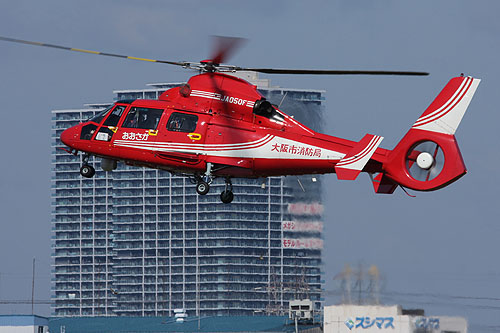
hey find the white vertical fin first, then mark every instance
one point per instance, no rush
(446, 111)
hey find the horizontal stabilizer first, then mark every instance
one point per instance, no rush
(351, 165)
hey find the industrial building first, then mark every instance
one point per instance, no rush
(378, 318)
(23, 324)
(230, 324)
(141, 242)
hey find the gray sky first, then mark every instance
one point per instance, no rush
(436, 246)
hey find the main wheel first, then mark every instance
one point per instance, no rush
(87, 171)
(202, 187)
(226, 196)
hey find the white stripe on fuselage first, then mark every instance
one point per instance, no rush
(268, 147)
(222, 98)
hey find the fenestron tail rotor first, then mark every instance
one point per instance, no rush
(224, 47)
(425, 161)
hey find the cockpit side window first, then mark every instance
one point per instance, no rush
(182, 122)
(145, 118)
(114, 116)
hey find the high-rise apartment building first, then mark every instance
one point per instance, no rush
(142, 242)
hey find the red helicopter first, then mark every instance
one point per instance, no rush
(218, 125)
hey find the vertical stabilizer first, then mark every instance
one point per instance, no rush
(446, 111)
(428, 157)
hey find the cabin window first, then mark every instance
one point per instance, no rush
(266, 109)
(182, 122)
(115, 115)
(145, 118)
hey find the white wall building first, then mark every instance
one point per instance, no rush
(378, 318)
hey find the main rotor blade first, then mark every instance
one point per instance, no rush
(328, 71)
(66, 48)
(224, 47)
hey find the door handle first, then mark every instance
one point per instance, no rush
(194, 136)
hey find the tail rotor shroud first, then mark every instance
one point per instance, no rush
(425, 161)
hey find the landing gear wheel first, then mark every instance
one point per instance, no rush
(87, 171)
(202, 187)
(226, 196)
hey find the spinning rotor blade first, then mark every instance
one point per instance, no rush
(432, 171)
(435, 153)
(328, 71)
(66, 48)
(224, 47)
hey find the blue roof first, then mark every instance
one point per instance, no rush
(23, 320)
(168, 324)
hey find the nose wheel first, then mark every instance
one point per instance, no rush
(87, 170)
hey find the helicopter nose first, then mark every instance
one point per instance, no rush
(69, 135)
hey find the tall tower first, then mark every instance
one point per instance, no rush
(141, 242)
(82, 229)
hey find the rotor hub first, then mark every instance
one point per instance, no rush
(425, 160)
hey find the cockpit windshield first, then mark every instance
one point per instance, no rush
(100, 116)
(115, 116)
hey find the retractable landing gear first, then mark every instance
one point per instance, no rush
(87, 170)
(202, 187)
(227, 195)
(203, 183)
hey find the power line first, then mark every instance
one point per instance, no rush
(26, 302)
(453, 300)
(440, 295)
